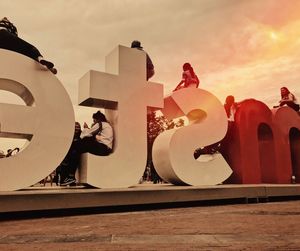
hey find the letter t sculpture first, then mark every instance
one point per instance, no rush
(125, 94)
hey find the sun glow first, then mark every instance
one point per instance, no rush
(274, 36)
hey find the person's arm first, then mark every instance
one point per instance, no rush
(197, 81)
(182, 82)
(89, 132)
(284, 101)
(177, 87)
(288, 97)
(150, 67)
(291, 97)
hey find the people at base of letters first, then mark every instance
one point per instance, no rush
(9, 40)
(97, 139)
(189, 78)
(62, 171)
(287, 98)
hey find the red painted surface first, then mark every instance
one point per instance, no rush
(263, 146)
(287, 122)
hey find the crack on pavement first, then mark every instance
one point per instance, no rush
(112, 238)
(267, 213)
(24, 239)
(216, 240)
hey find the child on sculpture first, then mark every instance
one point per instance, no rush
(9, 40)
(189, 78)
(97, 140)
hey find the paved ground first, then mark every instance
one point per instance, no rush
(263, 226)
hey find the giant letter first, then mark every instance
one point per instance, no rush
(47, 121)
(249, 147)
(125, 95)
(287, 144)
(173, 149)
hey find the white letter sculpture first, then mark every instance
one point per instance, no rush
(173, 149)
(125, 94)
(47, 121)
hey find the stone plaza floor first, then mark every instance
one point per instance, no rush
(254, 226)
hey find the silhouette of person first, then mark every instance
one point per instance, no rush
(230, 107)
(149, 65)
(9, 40)
(189, 78)
(63, 171)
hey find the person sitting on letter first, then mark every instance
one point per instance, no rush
(97, 140)
(149, 65)
(189, 78)
(287, 98)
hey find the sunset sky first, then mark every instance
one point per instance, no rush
(247, 48)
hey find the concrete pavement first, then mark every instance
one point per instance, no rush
(262, 226)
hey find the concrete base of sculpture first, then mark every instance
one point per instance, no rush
(57, 198)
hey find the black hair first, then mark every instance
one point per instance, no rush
(136, 44)
(99, 116)
(187, 66)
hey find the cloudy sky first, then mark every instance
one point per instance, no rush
(247, 48)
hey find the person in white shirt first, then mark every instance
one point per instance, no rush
(287, 98)
(97, 140)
